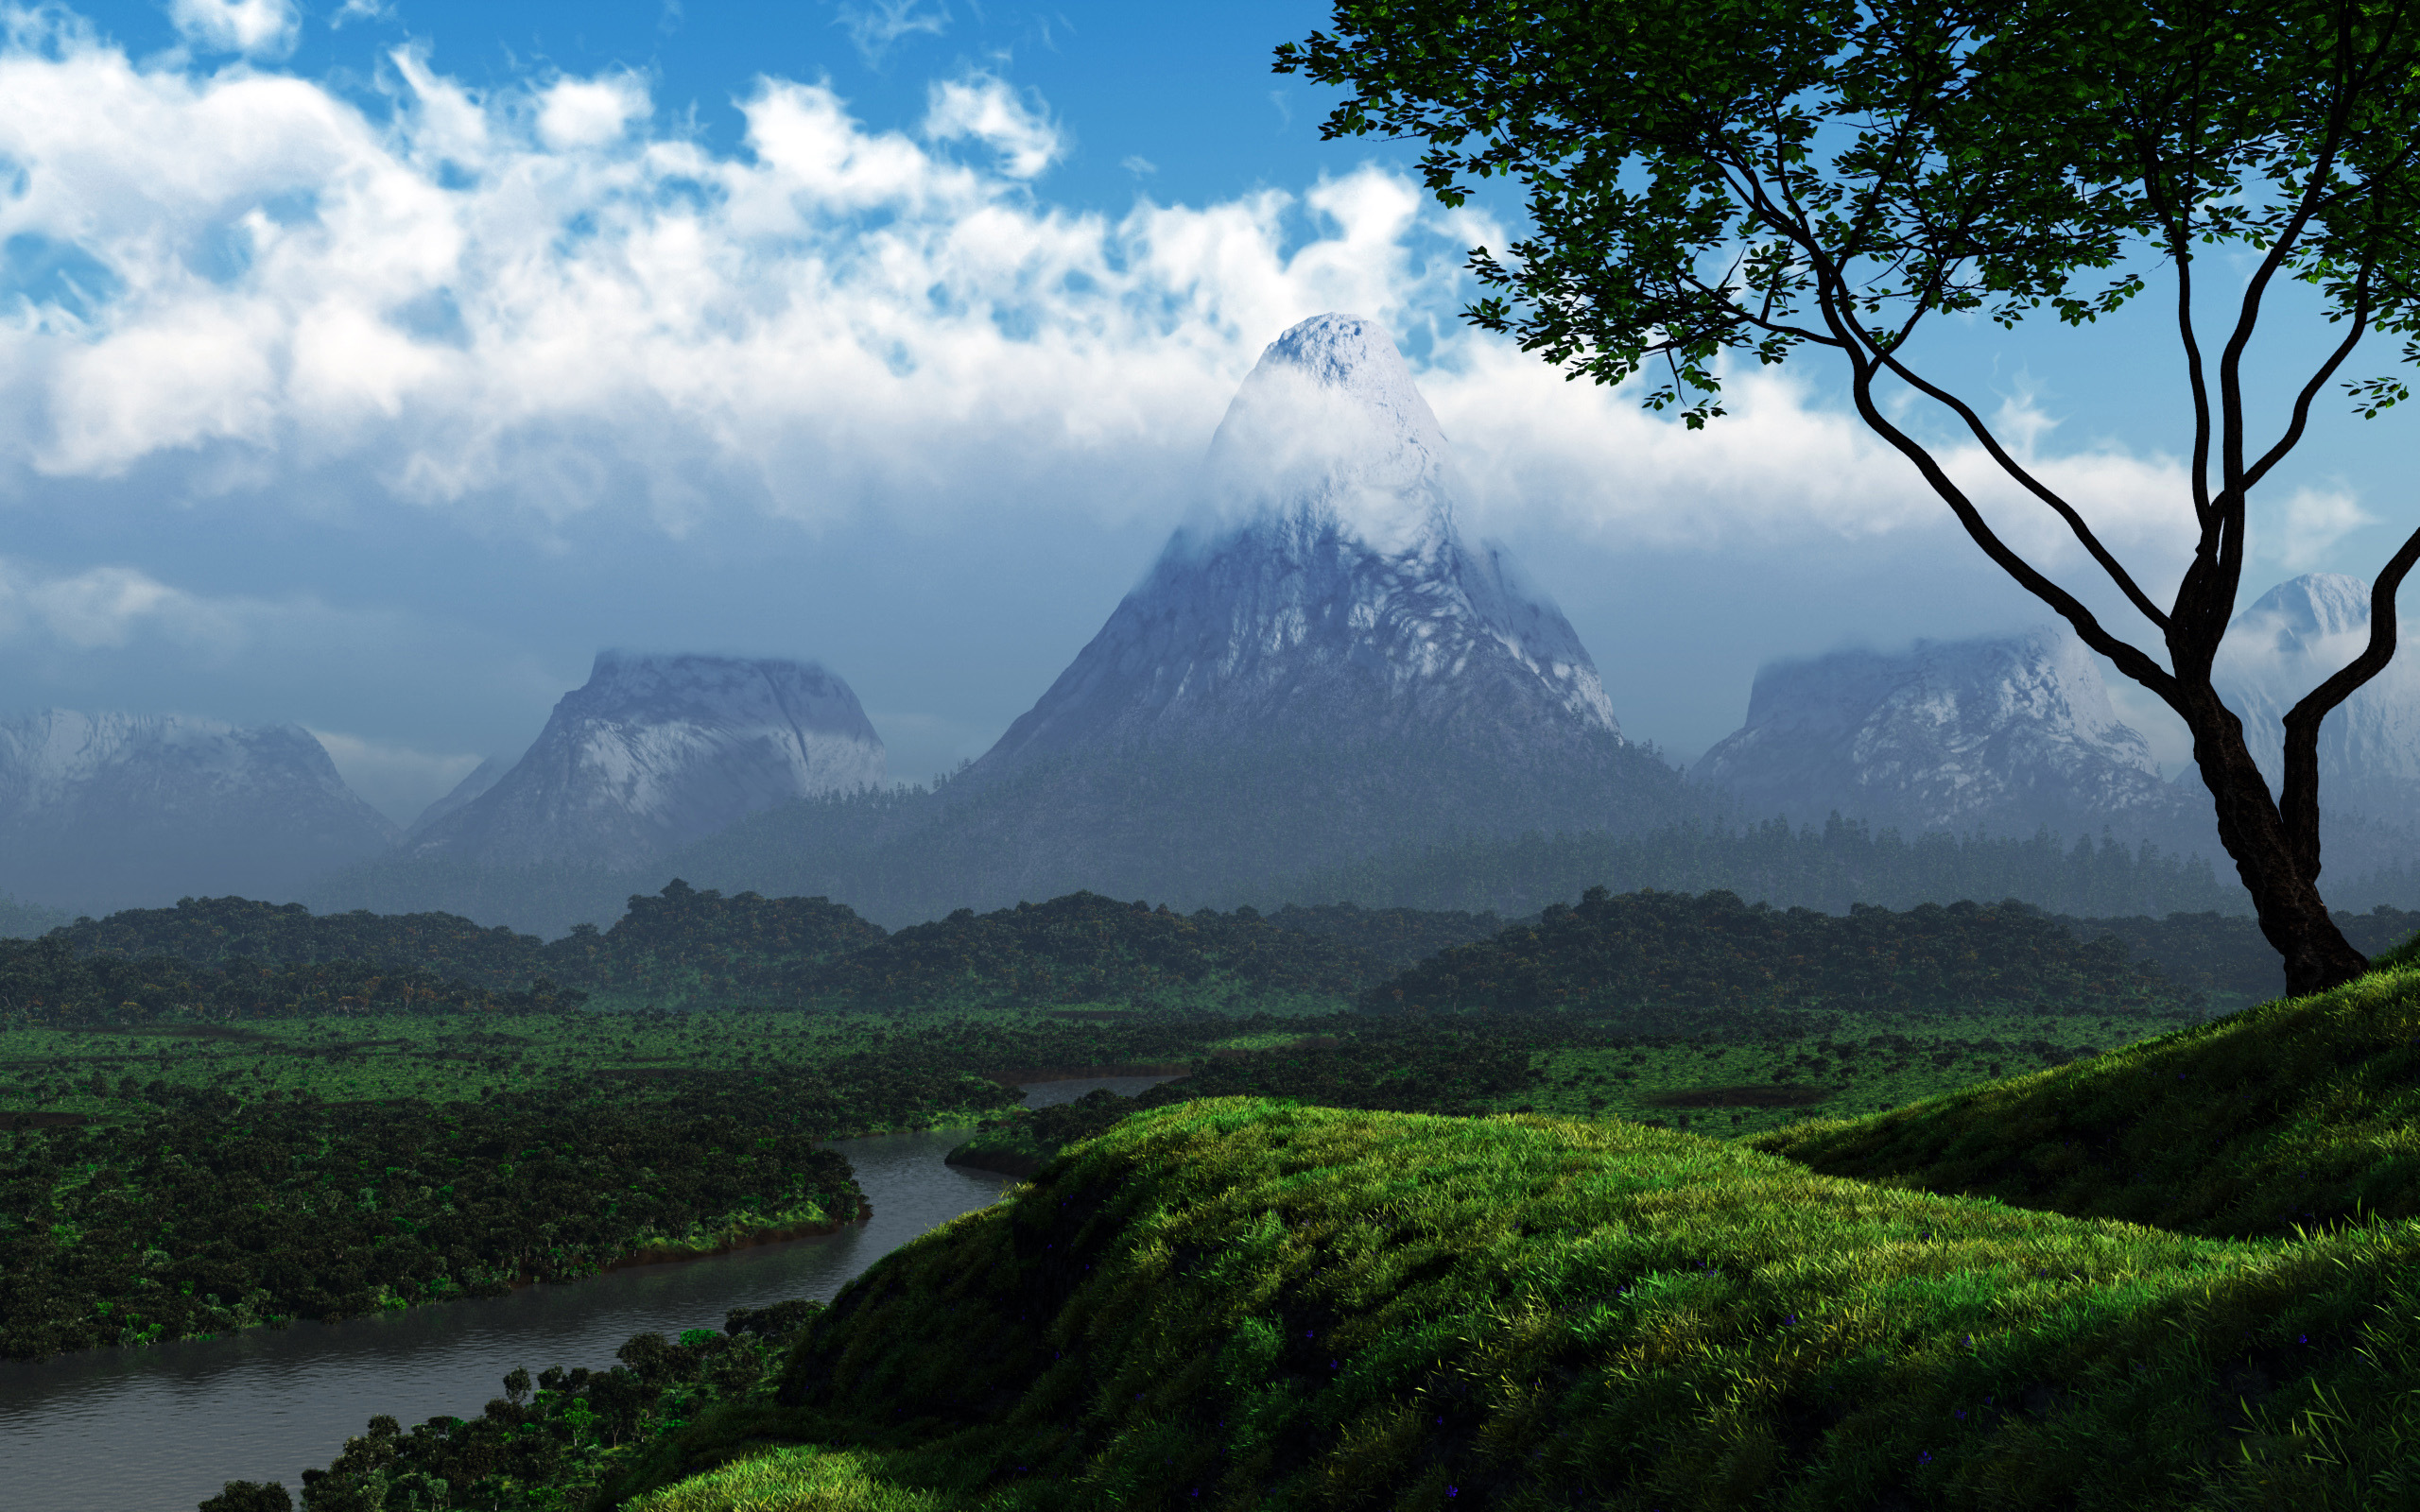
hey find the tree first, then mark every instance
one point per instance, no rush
(1709, 178)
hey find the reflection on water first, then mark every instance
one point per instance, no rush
(157, 1429)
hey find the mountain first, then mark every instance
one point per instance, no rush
(1323, 591)
(2006, 734)
(2287, 643)
(653, 752)
(101, 812)
(1319, 666)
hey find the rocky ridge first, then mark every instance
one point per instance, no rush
(656, 751)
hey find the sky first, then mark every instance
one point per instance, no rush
(371, 364)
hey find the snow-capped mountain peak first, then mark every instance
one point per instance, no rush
(1323, 591)
(1329, 429)
(2005, 732)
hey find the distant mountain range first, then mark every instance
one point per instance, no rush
(1319, 669)
(2003, 733)
(112, 811)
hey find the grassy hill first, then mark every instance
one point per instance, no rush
(1241, 1304)
(2298, 1113)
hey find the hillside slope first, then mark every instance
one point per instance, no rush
(1236, 1304)
(2299, 1112)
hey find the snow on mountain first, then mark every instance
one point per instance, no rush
(1319, 666)
(1322, 588)
(108, 811)
(2289, 642)
(656, 751)
(2006, 734)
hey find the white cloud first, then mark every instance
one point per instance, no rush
(876, 25)
(107, 608)
(986, 110)
(1778, 466)
(589, 113)
(259, 28)
(520, 306)
(2310, 523)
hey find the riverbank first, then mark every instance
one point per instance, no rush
(183, 1418)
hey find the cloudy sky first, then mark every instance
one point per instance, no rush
(370, 365)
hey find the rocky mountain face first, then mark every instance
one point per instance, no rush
(1323, 589)
(101, 812)
(656, 751)
(2005, 733)
(1318, 666)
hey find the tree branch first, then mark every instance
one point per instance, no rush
(2299, 801)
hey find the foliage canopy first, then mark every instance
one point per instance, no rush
(1763, 176)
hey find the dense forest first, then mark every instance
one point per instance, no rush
(691, 947)
(1660, 951)
(694, 948)
(1832, 868)
(43, 982)
(1396, 937)
(1087, 947)
(214, 1214)
(2226, 955)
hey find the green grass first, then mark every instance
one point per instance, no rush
(439, 1059)
(2299, 1113)
(1275, 1306)
(795, 1480)
(1851, 1061)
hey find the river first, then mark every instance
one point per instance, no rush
(157, 1429)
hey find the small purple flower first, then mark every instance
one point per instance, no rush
(1925, 1458)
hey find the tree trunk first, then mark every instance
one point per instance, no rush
(2284, 887)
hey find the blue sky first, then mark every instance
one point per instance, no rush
(370, 366)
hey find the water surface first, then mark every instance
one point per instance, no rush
(157, 1429)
